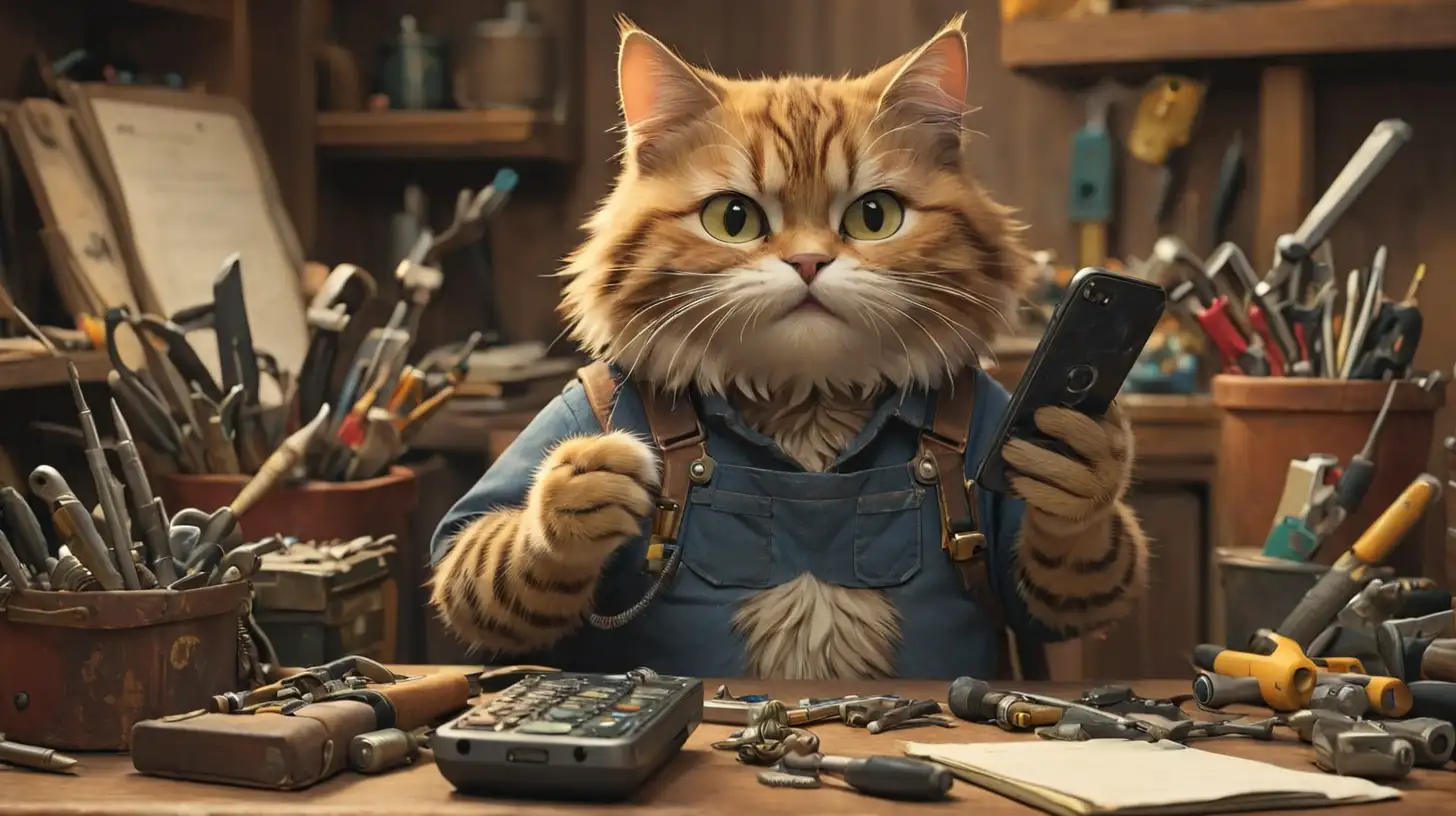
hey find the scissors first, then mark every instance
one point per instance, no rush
(179, 352)
(151, 410)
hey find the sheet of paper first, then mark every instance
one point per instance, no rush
(195, 195)
(1121, 775)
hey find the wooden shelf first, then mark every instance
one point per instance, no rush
(43, 371)
(211, 9)
(1282, 28)
(506, 134)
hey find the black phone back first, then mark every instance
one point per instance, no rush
(1095, 337)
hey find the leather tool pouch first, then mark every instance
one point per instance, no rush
(264, 750)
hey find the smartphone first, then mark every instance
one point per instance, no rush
(1095, 336)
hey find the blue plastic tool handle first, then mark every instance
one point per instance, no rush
(1090, 196)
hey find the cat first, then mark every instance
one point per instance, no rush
(802, 247)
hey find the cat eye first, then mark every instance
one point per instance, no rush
(733, 218)
(873, 217)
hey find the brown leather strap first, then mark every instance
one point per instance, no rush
(681, 442)
(961, 537)
(601, 391)
(679, 439)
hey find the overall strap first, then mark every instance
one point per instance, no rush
(680, 441)
(943, 450)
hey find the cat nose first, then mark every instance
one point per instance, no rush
(808, 265)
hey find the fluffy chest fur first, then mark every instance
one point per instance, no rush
(812, 429)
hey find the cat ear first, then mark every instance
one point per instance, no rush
(658, 90)
(929, 84)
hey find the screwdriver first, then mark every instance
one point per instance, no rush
(1415, 286)
(1357, 476)
(884, 776)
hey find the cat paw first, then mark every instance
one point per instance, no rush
(594, 490)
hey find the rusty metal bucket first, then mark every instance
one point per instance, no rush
(80, 668)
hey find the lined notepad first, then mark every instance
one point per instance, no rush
(1143, 778)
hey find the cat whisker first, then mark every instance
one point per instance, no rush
(653, 324)
(913, 279)
(663, 323)
(975, 343)
(872, 308)
(687, 338)
(696, 290)
(929, 335)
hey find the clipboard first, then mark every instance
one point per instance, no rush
(85, 256)
(188, 183)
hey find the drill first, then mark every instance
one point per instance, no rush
(1286, 677)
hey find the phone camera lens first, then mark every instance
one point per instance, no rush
(1081, 378)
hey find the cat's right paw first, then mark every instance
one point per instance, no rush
(595, 490)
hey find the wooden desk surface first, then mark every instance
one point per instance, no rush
(699, 781)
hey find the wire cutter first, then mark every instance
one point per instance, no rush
(1241, 355)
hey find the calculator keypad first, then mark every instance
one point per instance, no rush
(578, 705)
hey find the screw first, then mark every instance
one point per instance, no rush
(22, 701)
(926, 468)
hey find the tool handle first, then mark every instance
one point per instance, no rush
(1382, 537)
(1384, 140)
(1215, 322)
(22, 523)
(1319, 607)
(1213, 690)
(1433, 698)
(1438, 662)
(898, 778)
(1354, 483)
(10, 564)
(1418, 603)
(1394, 348)
(1261, 730)
(423, 700)
(968, 699)
(1277, 364)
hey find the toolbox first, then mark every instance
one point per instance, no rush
(80, 668)
(320, 602)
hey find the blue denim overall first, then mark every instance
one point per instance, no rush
(870, 521)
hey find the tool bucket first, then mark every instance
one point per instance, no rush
(1259, 591)
(78, 669)
(1269, 421)
(324, 510)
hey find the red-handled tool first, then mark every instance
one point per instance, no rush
(1277, 365)
(1240, 356)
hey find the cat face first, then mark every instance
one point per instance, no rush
(793, 232)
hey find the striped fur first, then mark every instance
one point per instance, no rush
(653, 291)
(519, 578)
(1084, 557)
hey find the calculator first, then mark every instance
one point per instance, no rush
(570, 736)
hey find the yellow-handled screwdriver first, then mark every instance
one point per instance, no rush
(1318, 608)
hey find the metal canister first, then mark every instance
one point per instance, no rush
(383, 750)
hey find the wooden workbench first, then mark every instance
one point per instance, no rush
(700, 781)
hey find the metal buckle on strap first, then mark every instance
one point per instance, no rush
(666, 523)
(929, 434)
(682, 440)
(966, 547)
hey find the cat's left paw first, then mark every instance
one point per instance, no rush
(1072, 493)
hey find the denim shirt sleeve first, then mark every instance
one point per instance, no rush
(1001, 515)
(509, 478)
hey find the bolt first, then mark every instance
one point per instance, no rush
(22, 701)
